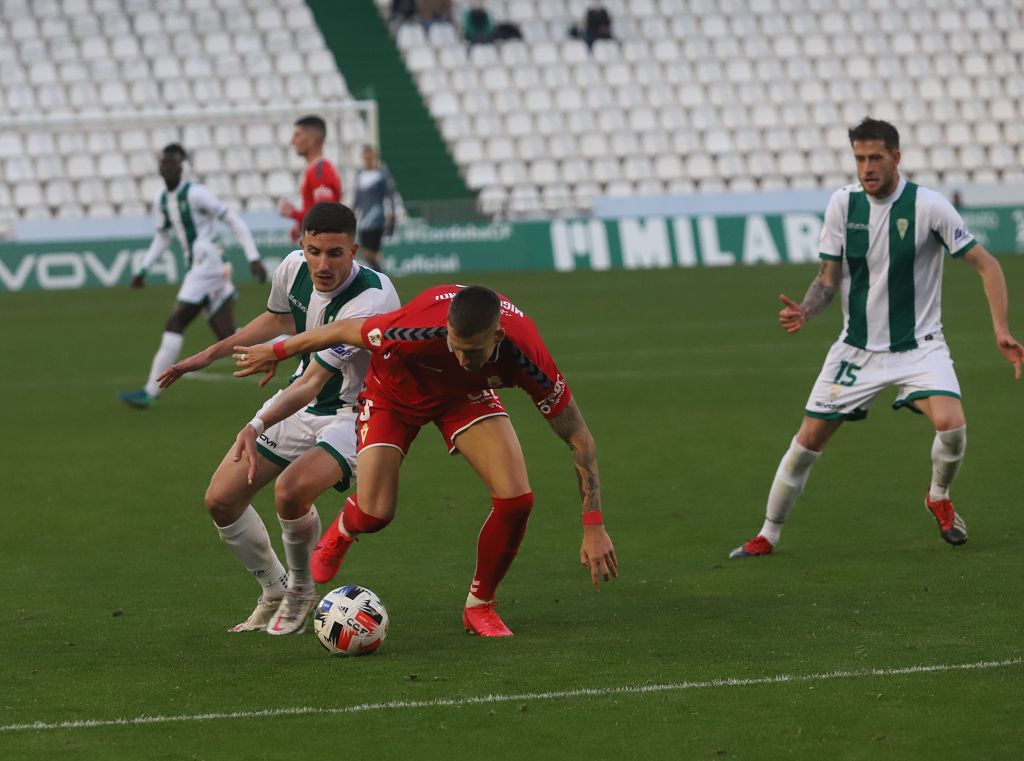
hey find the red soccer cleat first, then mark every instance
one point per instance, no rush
(483, 620)
(951, 525)
(756, 546)
(329, 552)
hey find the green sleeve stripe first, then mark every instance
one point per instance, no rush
(965, 249)
(332, 368)
(830, 257)
(274, 311)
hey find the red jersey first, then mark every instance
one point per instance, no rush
(412, 370)
(320, 183)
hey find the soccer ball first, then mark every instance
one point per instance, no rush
(350, 620)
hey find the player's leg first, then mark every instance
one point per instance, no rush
(383, 440)
(847, 384)
(930, 386)
(369, 248)
(492, 449)
(313, 473)
(166, 355)
(789, 482)
(229, 502)
(946, 414)
(222, 315)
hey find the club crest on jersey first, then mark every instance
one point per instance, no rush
(375, 337)
(902, 225)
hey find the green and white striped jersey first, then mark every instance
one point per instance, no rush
(892, 251)
(191, 212)
(363, 294)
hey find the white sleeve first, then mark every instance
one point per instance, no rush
(242, 235)
(277, 302)
(947, 223)
(833, 232)
(201, 196)
(161, 242)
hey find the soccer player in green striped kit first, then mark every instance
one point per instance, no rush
(882, 248)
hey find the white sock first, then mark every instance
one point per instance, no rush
(248, 539)
(300, 536)
(947, 454)
(790, 479)
(166, 355)
(472, 600)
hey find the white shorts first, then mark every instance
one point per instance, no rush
(209, 286)
(851, 378)
(285, 442)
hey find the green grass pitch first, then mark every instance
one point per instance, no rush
(118, 590)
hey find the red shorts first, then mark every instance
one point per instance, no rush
(381, 427)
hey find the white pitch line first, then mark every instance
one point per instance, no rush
(593, 692)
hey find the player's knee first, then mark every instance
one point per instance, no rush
(360, 519)
(290, 491)
(952, 441)
(219, 504)
(520, 505)
(175, 324)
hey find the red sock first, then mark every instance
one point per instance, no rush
(356, 521)
(498, 543)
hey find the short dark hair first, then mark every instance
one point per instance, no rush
(876, 129)
(473, 310)
(330, 217)
(176, 149)
(312, 122)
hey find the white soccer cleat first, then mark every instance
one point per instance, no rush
(260, 616)
(293, 612)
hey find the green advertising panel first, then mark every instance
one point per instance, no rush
(562, 245)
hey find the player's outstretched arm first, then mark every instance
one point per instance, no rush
(823, 289)
(597, 552)
(994, 282)
(288, 402)
(261, 328)
(264, 359)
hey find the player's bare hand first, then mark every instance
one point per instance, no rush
(258, 271)
(597, 554)
(255, 359)
(791, 315)
(1013, 351)
(178, 369)
(138, 281)
(245, 444)
(286, 209)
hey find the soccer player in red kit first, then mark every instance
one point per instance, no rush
(437, 360)
(320, 182)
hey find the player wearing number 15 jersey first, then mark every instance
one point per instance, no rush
(438, 360)
(882, 247)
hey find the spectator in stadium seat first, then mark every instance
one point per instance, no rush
(374, 206)
(320, 183)
(477, 26)
(402, 11)
(597, 25)
(434, 12)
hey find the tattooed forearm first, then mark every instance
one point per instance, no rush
(821, 292)
(572, 429)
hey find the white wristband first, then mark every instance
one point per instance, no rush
(257, 423)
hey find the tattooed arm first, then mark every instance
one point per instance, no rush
(597, 553)
(816, 300)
